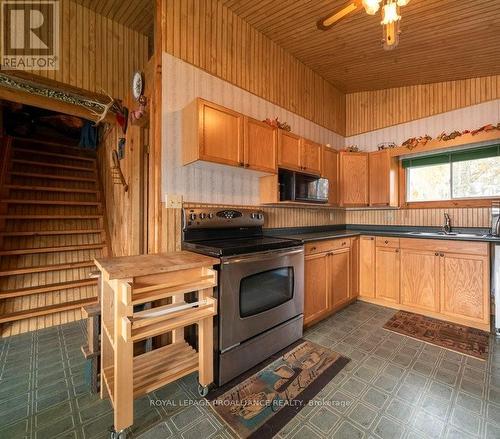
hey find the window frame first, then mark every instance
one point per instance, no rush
(455, 202)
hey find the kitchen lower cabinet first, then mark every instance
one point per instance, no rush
(340, 282)
(420, 281)
(465, 288)
(327, 279)
(367, 266)
(316, 282)
(387, 274)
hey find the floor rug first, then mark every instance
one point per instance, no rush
(263, 400)
(469, 341)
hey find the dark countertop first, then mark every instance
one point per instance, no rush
(310, 234)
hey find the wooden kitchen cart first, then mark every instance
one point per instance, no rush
(134, 290)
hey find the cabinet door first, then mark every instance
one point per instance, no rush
(260, 146)
(289, 151)
(330, 170)
(383, 179)
(387, 274)
(420, 279)
(367, 266)
(354, 267)
(340, 278)
(465, 287)
(221, 134)
(354, 179)
(311, 157)
(316, 295)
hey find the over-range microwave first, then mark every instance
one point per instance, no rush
(295, 186)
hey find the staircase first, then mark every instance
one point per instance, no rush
(51, 229)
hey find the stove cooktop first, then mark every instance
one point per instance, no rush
(238, 246)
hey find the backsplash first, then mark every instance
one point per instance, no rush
(463, 217)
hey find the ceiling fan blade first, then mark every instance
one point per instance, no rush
(327, 22)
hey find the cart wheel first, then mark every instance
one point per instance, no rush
(122, 434)
(202, 390)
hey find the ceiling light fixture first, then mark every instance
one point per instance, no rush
(390, 19)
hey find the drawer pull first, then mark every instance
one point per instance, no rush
(442, 255)
(387, 242)
(436, 254)
(313, 248)
(397, 250)
(343, 243)
(372, 238)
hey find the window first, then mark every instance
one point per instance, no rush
(453, 176)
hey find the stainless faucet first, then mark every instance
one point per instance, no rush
(447, 224)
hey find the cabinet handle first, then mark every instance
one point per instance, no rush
(372, 238)
(442, 255)
(343, 243)
(397, 250)
(436, 254)
(387, 242)
(313, 248)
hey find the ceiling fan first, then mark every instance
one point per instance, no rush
(390, 17)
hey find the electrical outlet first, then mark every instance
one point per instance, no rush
(174, 201)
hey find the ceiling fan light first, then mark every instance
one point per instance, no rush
(403, 2)
(390, 14)
(371, 6)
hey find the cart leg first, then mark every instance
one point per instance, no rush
(205, 342)
(122, 434)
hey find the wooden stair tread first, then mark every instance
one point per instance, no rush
(54, 165)
(47, 288)
(52, 232)
(66, 248)
(45, 268)
(50, 216)
(52, 202)
(44, 310)
(52, 176)
(49, 189)
(54, 154)
(77, 149)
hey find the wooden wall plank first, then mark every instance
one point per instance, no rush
(372, 110)
(226, 46)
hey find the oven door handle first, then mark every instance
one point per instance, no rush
(272, 254)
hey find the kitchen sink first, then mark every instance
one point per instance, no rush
(454, 234)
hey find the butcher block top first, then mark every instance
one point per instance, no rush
(123, 267)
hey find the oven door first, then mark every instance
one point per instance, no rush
(258, 292)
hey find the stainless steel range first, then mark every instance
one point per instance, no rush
(261, 286)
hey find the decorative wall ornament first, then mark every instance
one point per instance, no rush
(277, 124)
(30, 87)
(386, 145)
(413, 142)
(352, 148)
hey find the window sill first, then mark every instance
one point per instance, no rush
(472, 202)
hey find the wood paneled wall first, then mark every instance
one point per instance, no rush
(275, 217)
(210, 36)
(96, 53)
(372, 110)
(464, 217)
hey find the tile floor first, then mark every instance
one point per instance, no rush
(394, 387)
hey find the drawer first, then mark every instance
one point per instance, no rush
(384, 241)
(446, 246)
(326, 246)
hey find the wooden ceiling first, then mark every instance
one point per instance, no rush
(137, 15)
(441, 40)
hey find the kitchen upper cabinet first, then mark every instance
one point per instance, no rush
(383, 179)
(330, 171)
(289, 151)
(311, 153)
(260, 146)
(367, 266)
(317, 295)
(212, 133)
(340, 270)
(353, 178)
(465, 287)
(387, 274)
(420, 281)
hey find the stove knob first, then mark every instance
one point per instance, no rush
(192, 216)
(203, 215)
(253, 215)
(210, 215)
(260, 216)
